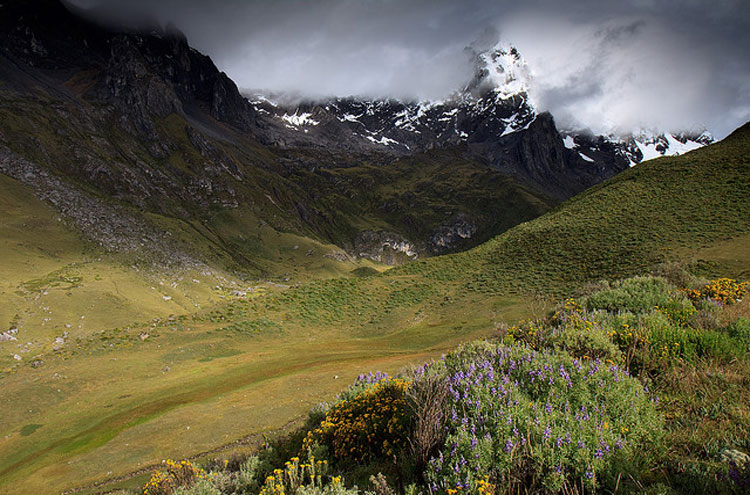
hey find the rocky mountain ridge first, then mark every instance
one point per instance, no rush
(141, 119)
(494, 104)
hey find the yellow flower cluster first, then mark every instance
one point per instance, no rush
(373, 424)
(629, 338)
(569, 307)
(723, 290)
(482, 486)
(669, 350)
(526, 332)
(176, 474)
(296, 474)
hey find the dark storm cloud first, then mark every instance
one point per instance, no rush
(606, 65)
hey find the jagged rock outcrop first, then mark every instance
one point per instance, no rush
(384, 247)
(449, 235)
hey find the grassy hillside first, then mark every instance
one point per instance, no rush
(693, 208)
(116, 401)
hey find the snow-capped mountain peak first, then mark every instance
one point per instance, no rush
(501, 70)
(493, 115)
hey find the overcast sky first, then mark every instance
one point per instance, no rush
(606, 65)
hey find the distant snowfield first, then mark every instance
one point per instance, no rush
(299, 120)
(650, 150)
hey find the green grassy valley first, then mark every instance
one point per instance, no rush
(169, 364)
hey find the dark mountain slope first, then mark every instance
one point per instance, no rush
(141, 122)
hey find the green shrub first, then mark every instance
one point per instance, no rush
(653, 341)
(679, 310)
(637, 294)
(581, 334)
(571, 329)
(740, 330)
(201, 487)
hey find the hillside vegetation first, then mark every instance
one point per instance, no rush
(255, 361)
(585, 399)
(665, 209)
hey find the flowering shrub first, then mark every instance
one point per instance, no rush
(722, 290)
(308, 478)
(176, 475)
(572, 329)
(522, 419)
(372, 424)
(679, 311)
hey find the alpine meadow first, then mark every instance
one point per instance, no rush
(279, 286)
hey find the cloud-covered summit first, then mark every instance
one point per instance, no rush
(676, 64)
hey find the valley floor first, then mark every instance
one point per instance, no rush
(191, 386)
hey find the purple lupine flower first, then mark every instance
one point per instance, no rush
(589, 474)
(509, 446)
(547, 432)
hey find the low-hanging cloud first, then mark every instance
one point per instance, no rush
(608, 66)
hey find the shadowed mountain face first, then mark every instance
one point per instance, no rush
(119, 128)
